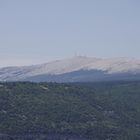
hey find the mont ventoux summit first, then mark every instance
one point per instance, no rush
(76, 69)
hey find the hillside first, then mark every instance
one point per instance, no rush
(76, 69)
(78, 111)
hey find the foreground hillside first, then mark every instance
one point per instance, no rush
(87, 111)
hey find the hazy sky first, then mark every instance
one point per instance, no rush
(37, 31)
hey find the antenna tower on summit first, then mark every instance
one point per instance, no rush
(76, 54)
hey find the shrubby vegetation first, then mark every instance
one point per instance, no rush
(96, 111)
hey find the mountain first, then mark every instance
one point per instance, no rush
(76, 69)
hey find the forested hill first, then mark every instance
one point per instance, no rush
(80, 111)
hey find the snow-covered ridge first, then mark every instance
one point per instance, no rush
(108, 65)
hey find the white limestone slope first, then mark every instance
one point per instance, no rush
(110, 66)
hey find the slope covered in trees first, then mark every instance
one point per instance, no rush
(84, 111)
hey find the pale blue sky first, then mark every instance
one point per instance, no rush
(37, 31)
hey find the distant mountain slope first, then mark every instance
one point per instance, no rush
(78, 68)
(85, 76)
